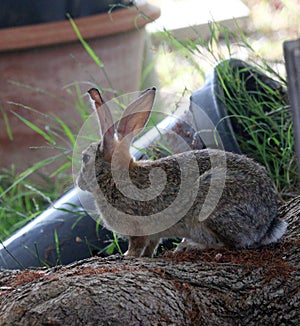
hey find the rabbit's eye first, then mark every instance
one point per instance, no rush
(85, 158)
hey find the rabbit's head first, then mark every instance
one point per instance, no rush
(86, 179)
(113, 150)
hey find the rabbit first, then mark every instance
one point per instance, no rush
(229, 199)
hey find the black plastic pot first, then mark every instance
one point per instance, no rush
(212, 99)
(29, 12)
(208, 97)
(61, 234)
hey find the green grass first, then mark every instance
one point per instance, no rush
(262, 123)
(20, 201)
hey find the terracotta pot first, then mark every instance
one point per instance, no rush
(38, 62)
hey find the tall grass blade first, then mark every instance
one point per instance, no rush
(86, 46)
(29, 171)
(7, 125)
(35, 128)
(57, 247)
(12, 256)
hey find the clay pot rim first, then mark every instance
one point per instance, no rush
(100, 25)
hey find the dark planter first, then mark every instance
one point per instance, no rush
(212, 99)
(208, 100)
(78, 237)
(30, 12)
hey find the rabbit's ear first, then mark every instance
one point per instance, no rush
(136, 115)
(105, 120)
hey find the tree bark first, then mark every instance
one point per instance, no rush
(213, 287)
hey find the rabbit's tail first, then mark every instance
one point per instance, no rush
(275, 231)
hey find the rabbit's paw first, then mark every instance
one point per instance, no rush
(189, 245)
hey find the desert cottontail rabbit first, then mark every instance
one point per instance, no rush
(210, 197)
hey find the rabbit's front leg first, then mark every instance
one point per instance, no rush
(151, 246)
(136, 246)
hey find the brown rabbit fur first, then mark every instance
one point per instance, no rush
(242, 207)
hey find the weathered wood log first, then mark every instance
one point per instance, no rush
(213, 287)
